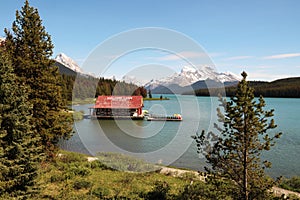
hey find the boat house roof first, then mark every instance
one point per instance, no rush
(127, 102)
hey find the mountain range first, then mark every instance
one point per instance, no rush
(196, 81)
(189, 78)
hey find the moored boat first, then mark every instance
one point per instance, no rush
(175, 117)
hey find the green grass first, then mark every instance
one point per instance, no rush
(292, 184)
(125, 163)
(71, 176)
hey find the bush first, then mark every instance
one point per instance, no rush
(78, 115)
(79, 170)
(57, 178)
(79, 184)
(71, 157)
(217, 190)
(188, 176)
(96, 164)
(101, 192)
(159, 192)
(291, 184)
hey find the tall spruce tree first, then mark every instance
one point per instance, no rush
(30, 48)
(19, 148)
(235, 152)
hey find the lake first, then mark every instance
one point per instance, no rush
(170, 143)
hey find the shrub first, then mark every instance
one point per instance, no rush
(79, 184)
(159, 192)
(57, 178)
(101, 192)
(71, 158)
(78, 115)
(79, 170)
(291, 184)
(96, 164)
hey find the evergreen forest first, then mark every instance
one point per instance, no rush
(284, 88)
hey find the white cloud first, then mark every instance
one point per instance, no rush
(281, 56)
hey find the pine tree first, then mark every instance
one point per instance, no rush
(30, 48)
(19, 150)
(235, 152)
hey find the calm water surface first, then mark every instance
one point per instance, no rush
(170, 143)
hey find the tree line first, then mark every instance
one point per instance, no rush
(82, 86)
(284, 88)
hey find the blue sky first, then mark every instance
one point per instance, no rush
(261, 37)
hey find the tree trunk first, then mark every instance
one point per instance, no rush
(245, 173)
(245, 161)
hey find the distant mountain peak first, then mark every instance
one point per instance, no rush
(189, 75)
(188, 69)
(68, 62)
(133, 80)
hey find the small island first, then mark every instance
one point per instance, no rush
(155, 99)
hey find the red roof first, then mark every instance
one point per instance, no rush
(128, 102)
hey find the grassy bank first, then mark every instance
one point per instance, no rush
(72, 176)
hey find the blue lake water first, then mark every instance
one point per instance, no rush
(170, 143)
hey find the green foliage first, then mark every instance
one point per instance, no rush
(104, 183)
(78, 115)
(60, 182)
(101, 192)
(30, 49)
(125, 163)
(289, 88)
(82, 87)
(218, 190)
(292, 184)
(81, 183)
(235, 152)
(159, 192)
(19, 151)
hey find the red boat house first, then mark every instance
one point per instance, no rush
(118, 107)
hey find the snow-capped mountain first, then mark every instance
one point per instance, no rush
(68, 62)
(133, 80)
(189, 75)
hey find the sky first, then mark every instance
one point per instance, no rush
(259, 37)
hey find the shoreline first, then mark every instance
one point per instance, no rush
(176, 172)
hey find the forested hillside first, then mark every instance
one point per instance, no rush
(88, 87)
(287, 88)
